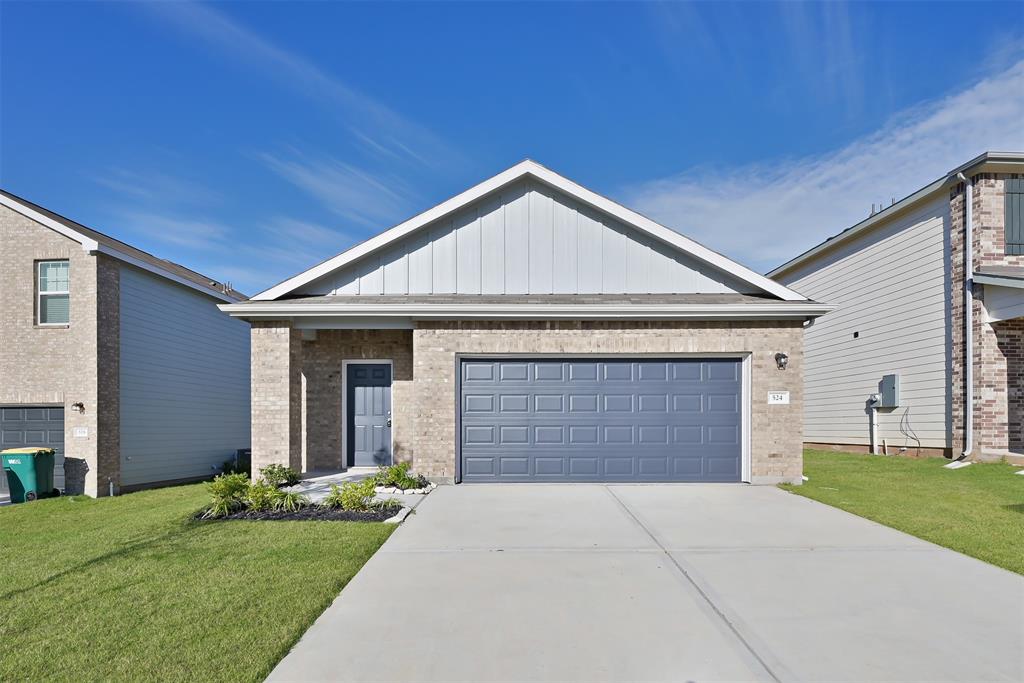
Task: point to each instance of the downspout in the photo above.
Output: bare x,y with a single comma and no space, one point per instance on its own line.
968,319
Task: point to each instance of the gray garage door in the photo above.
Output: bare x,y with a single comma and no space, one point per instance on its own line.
600,420
34,426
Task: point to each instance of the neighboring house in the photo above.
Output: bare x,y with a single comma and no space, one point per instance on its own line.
529,329
117,359
899,281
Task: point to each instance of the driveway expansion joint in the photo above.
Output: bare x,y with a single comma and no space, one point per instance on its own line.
730,623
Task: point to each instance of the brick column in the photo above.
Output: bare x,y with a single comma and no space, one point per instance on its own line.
107,467
996,346
276,395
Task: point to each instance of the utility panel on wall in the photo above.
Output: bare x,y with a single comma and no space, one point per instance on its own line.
889,392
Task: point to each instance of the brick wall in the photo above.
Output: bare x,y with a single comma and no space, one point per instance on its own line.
776,432
297,392
997,379
1009,336
302,380
322,362
61,365
276,395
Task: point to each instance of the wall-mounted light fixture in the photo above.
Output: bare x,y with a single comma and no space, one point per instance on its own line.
782,360
78,407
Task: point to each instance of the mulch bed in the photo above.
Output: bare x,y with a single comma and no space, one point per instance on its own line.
314,513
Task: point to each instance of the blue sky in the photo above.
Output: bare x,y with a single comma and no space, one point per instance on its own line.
252,140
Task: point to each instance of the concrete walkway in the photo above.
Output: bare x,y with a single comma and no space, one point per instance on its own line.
660,583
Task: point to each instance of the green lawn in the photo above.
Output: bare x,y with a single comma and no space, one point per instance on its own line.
130,588
977,510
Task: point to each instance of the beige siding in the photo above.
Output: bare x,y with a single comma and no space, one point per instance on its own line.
890,286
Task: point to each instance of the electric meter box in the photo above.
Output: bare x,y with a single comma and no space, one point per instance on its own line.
889,392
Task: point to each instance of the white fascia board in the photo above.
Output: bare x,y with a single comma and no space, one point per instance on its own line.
864,226
520,170
93,247
284,310
88,244
664,234
989,159
393,234
167,275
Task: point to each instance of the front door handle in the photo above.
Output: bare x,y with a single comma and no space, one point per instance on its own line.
389,422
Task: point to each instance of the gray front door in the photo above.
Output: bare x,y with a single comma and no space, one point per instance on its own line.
368,402
40,426
601,420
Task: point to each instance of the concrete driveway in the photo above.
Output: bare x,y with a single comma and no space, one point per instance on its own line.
660,583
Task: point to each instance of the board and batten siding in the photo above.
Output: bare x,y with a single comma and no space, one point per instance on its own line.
184,381
892,287
526,239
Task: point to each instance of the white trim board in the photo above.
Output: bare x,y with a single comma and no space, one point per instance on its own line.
1008,162
558,182
91,246
284,309
344,403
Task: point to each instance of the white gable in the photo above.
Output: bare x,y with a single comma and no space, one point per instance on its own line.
526,239
528,230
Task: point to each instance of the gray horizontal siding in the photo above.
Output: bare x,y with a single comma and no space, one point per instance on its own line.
527,239
184,381
892,287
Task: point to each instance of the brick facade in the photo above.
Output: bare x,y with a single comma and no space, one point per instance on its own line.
998,375
297,392
293,378
58,366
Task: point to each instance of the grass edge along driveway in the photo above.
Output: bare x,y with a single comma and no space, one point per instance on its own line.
131,588
977,510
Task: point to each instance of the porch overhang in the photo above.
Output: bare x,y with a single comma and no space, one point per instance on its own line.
399,311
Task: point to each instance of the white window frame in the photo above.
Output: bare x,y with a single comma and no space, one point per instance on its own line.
40,293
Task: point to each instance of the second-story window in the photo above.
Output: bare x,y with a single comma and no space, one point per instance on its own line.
54,293
1013,226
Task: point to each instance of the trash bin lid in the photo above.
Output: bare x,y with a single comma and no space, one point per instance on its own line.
26,451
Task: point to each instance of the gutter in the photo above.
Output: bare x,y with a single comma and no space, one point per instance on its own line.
968,323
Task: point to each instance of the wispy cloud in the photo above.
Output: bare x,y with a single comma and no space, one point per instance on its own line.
155,186
810,47
379,128
290,230
765,213
372,199
179,231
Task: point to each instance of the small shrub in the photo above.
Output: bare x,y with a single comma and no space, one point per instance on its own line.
261,496
352,495
279,475
289,501
227,494
398,476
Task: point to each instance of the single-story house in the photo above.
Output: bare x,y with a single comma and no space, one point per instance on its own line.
117,359
919,286
529,329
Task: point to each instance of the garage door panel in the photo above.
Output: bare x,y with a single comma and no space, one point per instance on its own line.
515,466
549,467
549,372
34,426
616,420
554,403
514,403
477,403
583,435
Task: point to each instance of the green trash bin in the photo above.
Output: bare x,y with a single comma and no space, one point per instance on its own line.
29,473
